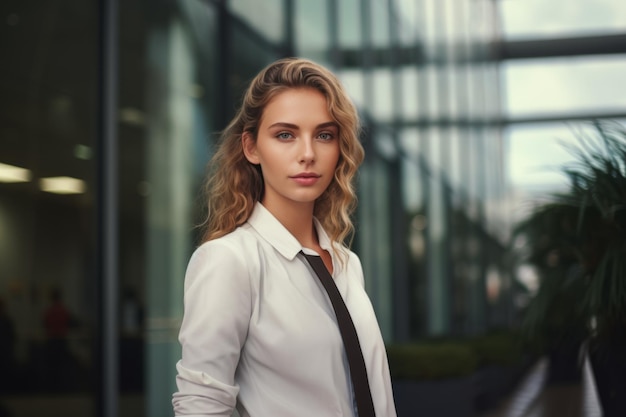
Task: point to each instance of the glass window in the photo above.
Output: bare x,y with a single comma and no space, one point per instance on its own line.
437,237
493,91
47,198
406,21
434,106
409,108
455,90
414,198
494,200
537,87
312,29
409,140
473,171
455,155
487,25
432,28
477,96
535,153
433,148
248,55
372,228
178,124
536,18
382,106
349,27
379,23
350,41
354,82
456,14
412,190
267,16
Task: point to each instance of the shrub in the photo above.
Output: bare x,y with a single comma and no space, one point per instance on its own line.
427,361
501,349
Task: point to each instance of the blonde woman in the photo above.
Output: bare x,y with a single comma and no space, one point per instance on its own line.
259,332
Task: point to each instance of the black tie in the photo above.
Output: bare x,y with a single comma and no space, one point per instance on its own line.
358,372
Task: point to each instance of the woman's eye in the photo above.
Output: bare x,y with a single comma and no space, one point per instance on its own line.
284,135
325,136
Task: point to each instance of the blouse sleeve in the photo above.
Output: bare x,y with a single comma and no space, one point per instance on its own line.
217,308
357,268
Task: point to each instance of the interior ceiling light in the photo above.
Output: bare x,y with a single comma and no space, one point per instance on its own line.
62,185
11,173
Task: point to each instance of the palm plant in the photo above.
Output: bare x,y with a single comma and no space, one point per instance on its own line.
598,192
578,243
554,322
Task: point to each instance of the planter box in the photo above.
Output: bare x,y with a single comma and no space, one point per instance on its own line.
609,371
494,382
438,398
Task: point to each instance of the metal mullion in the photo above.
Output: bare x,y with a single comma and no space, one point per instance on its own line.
107,395
333,21
289,32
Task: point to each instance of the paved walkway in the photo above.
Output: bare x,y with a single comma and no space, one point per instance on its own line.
534,398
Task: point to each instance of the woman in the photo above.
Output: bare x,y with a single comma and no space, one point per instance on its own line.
259,333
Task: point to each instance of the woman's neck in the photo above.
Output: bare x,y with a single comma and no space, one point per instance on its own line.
298,220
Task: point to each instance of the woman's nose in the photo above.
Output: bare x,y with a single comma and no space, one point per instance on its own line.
307,150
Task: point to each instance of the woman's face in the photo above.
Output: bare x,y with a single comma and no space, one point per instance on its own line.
297,147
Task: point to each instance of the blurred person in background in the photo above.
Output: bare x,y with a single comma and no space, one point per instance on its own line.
8,337
58,321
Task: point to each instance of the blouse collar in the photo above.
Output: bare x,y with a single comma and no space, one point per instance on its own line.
280,238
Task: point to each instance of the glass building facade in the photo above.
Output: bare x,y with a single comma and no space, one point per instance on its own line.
110,111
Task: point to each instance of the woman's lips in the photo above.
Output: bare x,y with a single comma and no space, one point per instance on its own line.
306,179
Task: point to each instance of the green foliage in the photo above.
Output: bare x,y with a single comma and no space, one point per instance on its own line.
577,241
444,357
557,314
499,348
429,361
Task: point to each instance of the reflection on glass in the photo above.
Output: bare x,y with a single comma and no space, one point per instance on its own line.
47,223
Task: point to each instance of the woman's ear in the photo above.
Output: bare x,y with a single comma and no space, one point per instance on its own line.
249,148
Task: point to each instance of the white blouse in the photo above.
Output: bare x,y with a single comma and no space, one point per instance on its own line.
259,332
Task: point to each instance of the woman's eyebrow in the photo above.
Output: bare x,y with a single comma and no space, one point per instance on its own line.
328,124
285,125
292,126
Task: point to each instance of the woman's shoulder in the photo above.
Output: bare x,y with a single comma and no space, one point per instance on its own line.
235,246
229,258
354,260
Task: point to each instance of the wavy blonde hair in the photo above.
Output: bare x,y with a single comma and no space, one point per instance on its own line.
233,184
